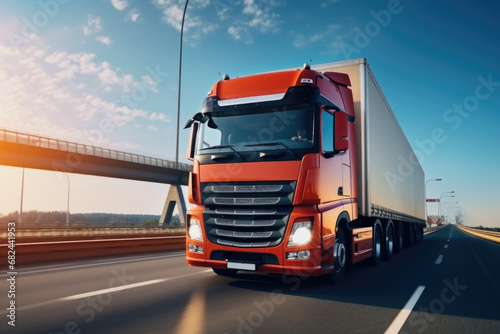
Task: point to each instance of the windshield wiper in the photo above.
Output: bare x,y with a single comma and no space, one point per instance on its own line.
276,143
226,146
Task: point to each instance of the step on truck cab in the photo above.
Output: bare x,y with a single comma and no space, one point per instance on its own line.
299,172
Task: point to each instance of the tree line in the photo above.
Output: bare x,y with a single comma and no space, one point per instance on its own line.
41,217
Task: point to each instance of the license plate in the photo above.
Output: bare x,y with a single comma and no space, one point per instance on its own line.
241,266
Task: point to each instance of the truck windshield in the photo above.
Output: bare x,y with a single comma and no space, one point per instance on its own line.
251,130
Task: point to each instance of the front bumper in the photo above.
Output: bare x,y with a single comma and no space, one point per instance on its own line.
309,267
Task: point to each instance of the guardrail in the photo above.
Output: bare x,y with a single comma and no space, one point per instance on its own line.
47,231
57,250
428,230
488,235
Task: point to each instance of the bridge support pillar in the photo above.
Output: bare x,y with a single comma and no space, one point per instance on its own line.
174,198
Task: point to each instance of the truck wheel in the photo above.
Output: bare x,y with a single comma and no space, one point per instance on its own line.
389,242
225,272
410,242
339,258
419,233
376,244
398,245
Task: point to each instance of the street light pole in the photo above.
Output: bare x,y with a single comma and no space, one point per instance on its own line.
445,208
426,216
179,90
22,195
440,197
67,204
448,209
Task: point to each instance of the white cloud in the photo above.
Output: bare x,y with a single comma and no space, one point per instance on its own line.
92,26
82,63
246,16
152,128
38,53
250,7
118,114
235,32
133,15
202,3
62,94
159,117
173,10
255,16
106,40
173,16
262,19
302,41
119,4
150,83
209,28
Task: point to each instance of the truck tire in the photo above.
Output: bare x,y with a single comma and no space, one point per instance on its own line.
225,272
339,258
419,233
388,241
376,244
399,240
410,236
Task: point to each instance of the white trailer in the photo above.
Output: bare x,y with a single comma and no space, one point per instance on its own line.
390,179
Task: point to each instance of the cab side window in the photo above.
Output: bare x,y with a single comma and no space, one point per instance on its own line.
327,131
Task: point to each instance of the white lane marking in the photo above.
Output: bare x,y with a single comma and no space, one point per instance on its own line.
400,320
445,246
117,288
36,270
439,259
109,290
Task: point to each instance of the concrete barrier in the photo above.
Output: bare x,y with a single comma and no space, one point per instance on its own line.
429,230
57,250
488,235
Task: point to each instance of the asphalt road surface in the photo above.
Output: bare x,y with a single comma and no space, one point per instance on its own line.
449,283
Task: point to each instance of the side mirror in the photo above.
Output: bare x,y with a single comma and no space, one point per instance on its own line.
340,121
192,140
199,117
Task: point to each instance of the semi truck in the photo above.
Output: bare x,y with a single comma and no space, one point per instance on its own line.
300,172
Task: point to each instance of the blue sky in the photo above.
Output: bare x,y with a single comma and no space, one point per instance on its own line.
67,67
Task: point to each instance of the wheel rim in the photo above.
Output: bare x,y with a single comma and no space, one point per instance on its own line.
339,256
401,238
378,244
390,243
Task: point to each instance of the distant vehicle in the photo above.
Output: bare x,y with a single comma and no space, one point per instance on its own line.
301,172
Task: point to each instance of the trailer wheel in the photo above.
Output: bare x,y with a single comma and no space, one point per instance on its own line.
419,233
410,240
225,272
398,245
339,258
389,241
376,244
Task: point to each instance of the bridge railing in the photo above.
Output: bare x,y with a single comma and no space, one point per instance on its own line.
78,148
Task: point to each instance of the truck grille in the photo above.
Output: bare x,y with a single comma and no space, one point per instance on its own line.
244,214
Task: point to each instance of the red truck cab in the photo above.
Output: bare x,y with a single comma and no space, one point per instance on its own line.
274,179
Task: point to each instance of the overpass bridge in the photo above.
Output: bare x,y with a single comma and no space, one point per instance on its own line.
32,151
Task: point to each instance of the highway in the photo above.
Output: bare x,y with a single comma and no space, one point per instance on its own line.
449,283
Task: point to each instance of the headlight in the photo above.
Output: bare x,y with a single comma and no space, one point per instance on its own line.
194,231
301,234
